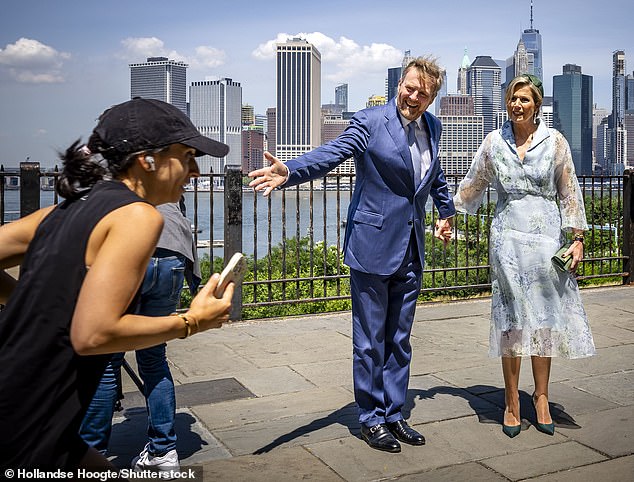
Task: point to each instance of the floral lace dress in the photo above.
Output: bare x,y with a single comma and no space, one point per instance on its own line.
535,309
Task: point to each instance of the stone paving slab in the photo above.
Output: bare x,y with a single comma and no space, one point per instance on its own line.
295,348
354,461
267,436
471,471
196,360
430,399
243,412
553,458
453,309
609,432
615,387
327,373
286,380
285,465
568,397
612,359
615,470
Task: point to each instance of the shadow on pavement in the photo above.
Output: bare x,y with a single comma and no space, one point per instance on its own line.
130,436
486,401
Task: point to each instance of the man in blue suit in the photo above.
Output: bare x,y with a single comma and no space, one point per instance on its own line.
395,148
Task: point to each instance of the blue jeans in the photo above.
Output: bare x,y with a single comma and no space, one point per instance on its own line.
160,293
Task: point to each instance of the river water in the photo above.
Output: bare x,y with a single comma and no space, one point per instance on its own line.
209,216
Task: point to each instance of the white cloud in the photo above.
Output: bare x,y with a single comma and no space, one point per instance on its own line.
137,49
208,57
30,61
342,59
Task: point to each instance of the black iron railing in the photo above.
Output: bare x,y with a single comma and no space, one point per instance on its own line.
294,238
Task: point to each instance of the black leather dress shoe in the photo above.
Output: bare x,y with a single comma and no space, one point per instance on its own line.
405,433
379,437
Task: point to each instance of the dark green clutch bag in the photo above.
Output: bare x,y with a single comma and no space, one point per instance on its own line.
561,263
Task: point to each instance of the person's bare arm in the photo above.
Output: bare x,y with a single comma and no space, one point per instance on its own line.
125,240
15,238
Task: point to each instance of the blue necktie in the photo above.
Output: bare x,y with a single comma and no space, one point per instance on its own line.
415,151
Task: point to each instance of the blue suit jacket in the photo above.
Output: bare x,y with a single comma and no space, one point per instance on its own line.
385,203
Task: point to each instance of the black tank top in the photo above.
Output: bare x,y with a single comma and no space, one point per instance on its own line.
45,387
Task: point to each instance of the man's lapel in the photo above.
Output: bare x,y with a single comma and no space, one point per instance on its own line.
395,128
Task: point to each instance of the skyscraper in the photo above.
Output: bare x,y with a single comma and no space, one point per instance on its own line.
252,148
462,73
532,40
547,111
341,96
216,110
629,92
484,85
618,136
618,86
462,133
298,98
393,77
441,93
271,130
162,79
248,115
572,114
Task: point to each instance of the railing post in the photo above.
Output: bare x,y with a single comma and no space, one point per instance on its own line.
233,226
29,188
628,227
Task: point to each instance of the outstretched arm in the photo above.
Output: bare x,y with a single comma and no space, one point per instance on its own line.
270,177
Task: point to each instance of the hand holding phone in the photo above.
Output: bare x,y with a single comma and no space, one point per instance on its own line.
234,271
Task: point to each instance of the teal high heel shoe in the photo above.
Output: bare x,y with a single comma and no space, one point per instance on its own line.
511,430
547,428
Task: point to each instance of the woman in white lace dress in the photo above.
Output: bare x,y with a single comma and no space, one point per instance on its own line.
536,309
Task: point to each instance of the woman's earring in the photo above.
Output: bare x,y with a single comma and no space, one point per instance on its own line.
150,163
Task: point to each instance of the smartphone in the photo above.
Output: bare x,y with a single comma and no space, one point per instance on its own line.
234,271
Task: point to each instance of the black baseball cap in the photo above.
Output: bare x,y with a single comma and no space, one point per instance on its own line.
143,124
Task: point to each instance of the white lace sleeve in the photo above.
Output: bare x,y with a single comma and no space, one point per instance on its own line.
571,206
481,173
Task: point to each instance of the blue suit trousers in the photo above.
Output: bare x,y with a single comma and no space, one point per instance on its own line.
382,315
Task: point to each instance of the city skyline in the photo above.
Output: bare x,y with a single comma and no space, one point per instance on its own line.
60,66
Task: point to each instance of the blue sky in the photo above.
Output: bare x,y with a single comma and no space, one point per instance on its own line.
62,62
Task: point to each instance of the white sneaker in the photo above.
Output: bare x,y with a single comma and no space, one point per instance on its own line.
163,463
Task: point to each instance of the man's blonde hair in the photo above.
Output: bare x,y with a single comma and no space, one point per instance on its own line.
428,67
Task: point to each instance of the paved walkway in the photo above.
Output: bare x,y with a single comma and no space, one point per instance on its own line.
271,400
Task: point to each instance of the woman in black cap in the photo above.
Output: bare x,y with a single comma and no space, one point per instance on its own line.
536,309
81,263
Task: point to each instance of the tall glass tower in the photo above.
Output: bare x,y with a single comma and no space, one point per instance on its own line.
618,87
484,77
533,43
393,77
341,96
215,108
462,74
298,123
572,114
618,135
162,79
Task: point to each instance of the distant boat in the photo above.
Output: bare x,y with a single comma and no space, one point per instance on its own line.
199,184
